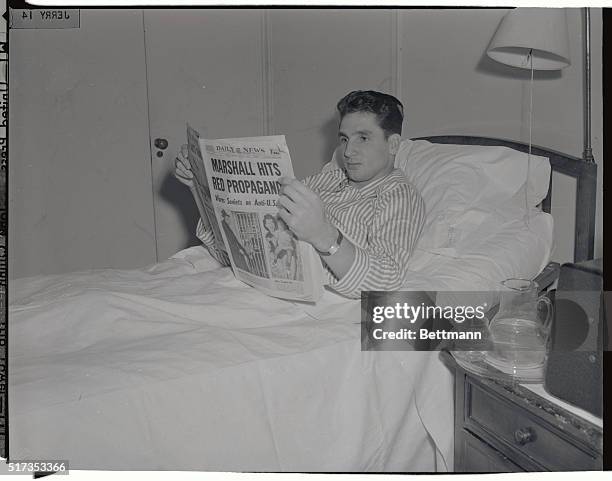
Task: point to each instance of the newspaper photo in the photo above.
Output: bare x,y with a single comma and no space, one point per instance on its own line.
237,186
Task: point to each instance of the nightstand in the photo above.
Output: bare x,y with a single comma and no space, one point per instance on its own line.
504,427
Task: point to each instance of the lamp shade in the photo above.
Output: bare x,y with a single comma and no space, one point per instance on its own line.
541,31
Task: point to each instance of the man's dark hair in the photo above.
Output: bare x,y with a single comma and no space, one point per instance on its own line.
388,110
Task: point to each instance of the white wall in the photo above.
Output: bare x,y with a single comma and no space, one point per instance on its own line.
79,167
317,56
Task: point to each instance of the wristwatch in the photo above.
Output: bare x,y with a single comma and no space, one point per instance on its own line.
334,247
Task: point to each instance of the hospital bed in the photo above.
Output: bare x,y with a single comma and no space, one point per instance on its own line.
179,366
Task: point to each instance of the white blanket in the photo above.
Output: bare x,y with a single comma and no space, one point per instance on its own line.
182,367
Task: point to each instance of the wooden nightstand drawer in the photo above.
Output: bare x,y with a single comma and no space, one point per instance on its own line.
489,414
478,457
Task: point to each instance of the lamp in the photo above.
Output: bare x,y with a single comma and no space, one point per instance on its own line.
534,39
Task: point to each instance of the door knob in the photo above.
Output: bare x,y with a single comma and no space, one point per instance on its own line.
523,436
161,144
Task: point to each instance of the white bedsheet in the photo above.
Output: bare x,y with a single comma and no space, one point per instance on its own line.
182,367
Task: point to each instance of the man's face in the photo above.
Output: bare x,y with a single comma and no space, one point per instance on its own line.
366,154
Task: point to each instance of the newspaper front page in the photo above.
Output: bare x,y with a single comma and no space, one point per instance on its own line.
242,176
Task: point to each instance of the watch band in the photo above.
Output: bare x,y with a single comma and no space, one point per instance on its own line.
334,247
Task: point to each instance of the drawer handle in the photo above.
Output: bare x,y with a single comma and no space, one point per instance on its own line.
523,436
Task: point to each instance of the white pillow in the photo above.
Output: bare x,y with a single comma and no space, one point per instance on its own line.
475,234
513,249
465,167
463,184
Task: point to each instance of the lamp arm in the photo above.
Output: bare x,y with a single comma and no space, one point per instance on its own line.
588,151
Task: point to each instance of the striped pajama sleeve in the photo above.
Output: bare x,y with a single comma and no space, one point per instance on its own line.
208,239
396,226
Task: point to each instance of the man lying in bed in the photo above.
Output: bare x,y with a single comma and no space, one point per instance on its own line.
364,217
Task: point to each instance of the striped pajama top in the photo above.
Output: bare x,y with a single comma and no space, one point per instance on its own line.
383,219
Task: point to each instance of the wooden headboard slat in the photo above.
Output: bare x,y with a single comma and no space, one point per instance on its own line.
584,172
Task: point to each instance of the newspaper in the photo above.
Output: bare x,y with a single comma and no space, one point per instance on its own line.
200,188
236,183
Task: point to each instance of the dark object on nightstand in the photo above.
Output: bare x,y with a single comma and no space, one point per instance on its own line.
579,332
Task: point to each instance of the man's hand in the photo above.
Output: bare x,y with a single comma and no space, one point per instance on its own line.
304,213
182,169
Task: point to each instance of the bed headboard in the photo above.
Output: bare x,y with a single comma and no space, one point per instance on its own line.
584,172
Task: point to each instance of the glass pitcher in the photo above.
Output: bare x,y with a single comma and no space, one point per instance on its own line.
519,334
